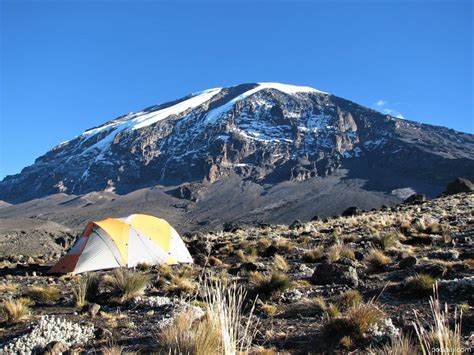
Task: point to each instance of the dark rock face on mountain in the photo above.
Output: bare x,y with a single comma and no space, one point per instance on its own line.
267,152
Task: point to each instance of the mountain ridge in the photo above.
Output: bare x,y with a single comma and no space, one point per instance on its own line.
255,136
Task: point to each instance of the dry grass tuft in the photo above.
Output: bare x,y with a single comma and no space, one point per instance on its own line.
41,294
247,258
223,330
419,285
285,245
125,284
178,280
15,310
269,309
8,288
279,263
388,240
354,324
440,337
268,285
377,259
86,289
349,299
313,255
340,250
308,307
399,345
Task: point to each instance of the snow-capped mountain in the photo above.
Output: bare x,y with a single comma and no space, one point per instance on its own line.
262,132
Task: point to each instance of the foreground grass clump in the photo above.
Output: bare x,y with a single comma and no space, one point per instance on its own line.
16,310
419,285
86,289
41,294
268,285
440,337
223,329
125,284
399,345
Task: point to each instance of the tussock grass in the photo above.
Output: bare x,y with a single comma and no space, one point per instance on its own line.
388,240
47,294
268,285
223,330
112,350
332,311
285,245
357,321
399,345
247,258
349,299
419,285
313,255
8,288
125,284
179,280
269,309
308,307
364,316
377,259
340,250
279,263
85,290
440,337
188,336
15,310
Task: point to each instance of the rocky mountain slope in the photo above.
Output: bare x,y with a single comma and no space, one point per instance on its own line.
268,151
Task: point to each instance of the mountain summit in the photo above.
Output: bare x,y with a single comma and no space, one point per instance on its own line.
262,133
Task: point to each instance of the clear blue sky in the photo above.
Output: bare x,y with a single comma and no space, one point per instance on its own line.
70,65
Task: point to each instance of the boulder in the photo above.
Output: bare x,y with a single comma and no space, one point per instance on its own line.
325,274
459,185
408,262
351,211
296,224
415,199
271,251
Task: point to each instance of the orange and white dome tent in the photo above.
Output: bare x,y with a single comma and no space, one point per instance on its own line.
124,242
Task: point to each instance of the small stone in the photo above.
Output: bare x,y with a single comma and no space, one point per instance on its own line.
359,255
93,309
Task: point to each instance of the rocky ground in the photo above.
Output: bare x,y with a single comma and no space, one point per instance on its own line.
348,283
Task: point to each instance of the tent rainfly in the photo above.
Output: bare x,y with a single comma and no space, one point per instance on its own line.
124,242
